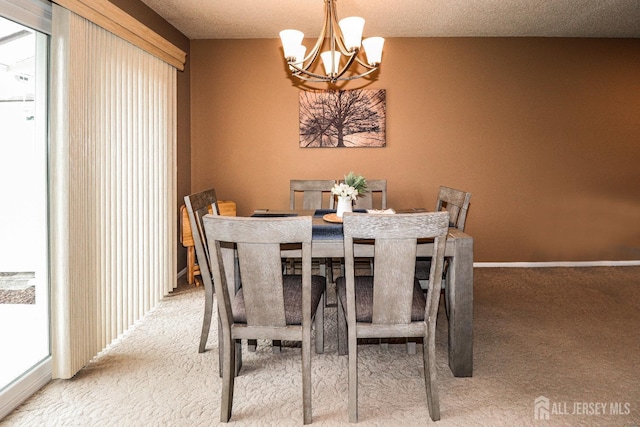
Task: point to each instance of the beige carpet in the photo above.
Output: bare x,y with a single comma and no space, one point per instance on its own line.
568,335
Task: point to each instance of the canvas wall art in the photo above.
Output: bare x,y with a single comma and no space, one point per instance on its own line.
343,118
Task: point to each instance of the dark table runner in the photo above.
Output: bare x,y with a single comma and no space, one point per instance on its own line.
321,231
329,230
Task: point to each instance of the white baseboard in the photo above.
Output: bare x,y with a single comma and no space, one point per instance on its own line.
19,391
182,272
558,264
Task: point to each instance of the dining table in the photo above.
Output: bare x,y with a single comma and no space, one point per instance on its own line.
327,242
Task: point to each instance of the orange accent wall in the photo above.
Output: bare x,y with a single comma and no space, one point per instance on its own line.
545,134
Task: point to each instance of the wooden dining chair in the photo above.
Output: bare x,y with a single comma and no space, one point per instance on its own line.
269,305
316,194
198,205
390,303
456,202
375,197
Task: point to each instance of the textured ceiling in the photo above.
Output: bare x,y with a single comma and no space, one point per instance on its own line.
216,19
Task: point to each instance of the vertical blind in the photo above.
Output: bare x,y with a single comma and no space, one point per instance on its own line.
113,189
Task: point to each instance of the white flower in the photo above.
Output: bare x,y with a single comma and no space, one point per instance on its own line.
344,190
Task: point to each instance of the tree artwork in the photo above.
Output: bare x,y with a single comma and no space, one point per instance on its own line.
343,118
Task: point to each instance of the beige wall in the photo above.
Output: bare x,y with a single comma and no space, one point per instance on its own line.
544,132
144,14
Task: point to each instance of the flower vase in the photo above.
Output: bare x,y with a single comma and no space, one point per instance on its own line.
344,205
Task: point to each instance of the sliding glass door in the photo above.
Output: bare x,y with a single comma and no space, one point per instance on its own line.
24,270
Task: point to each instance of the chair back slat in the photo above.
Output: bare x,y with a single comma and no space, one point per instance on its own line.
395,263
261,273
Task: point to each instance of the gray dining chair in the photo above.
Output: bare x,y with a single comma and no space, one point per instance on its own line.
315,194
375,197
269,305
198,205
456,202
390,303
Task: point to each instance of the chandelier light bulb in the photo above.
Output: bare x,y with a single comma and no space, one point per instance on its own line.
373,50
291,42
352,28
326,60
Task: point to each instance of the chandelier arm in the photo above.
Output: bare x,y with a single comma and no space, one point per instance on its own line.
339,37
313,54
302,72
358,76
341,46
305,74
346,67
364,64
326,79
311,58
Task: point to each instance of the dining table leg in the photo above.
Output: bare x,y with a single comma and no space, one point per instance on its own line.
460,296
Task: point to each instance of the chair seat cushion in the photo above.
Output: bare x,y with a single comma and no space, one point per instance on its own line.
364,298
292,285
423,268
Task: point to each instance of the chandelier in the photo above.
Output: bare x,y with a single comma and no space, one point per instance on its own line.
344,39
